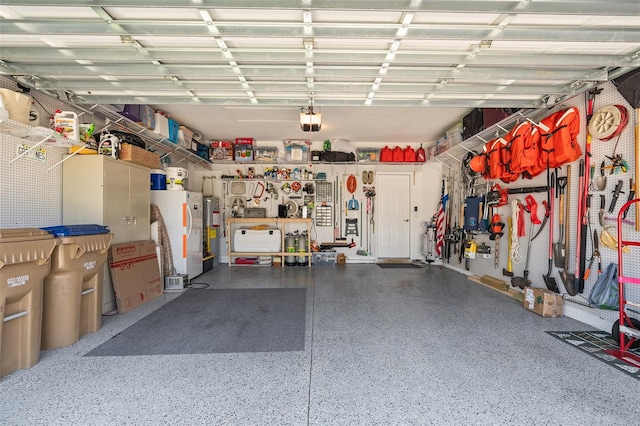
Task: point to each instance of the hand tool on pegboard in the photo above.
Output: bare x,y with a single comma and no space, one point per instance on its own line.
616,194
632,194
594,255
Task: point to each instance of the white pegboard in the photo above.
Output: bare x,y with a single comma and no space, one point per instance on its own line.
600,149
538,263
30,196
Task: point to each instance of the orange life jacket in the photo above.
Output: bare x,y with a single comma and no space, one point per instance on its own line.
524,151
495,162
559,138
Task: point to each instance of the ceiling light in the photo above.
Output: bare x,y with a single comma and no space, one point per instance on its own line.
310,121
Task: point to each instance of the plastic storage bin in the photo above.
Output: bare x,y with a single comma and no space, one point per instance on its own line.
72,292
174,128
324,258
25,255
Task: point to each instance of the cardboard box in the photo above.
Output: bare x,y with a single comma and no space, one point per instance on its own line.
543,302
140,156
221,150
135,274
244,149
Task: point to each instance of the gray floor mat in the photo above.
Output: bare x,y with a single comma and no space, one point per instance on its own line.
217,321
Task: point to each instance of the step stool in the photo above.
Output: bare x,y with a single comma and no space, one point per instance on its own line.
352,227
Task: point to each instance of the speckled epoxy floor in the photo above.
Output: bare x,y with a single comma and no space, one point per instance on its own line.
383,346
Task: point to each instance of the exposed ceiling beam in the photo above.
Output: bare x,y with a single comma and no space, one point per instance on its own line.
48,27
597,7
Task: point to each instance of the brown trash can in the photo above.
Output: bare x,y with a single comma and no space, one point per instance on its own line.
25,255
72,295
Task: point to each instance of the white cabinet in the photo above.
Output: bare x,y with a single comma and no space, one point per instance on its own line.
114,193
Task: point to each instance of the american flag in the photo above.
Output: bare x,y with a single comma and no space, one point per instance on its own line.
440,222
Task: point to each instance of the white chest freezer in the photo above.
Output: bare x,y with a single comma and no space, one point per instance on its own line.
260,241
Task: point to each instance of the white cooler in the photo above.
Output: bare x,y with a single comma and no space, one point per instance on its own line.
260,241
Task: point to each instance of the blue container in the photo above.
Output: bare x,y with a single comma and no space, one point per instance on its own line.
70,230
158,180
174,127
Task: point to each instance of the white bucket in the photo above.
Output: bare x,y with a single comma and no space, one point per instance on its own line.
176,178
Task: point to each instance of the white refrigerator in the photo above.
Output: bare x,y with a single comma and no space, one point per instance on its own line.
182,215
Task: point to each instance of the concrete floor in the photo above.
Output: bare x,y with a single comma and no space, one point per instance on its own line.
383,346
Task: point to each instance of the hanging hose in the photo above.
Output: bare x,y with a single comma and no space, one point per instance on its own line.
515,243
608,122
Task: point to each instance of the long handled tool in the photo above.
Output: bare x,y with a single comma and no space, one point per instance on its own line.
524,280
583,193
509,271
580,228
531,208
558,248
550,281
568,279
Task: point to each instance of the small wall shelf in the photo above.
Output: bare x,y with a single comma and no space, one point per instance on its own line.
34,136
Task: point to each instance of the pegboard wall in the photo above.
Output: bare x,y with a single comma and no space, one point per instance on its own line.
538,263
30,194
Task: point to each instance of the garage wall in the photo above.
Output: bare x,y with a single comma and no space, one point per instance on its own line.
575,306
424,194
30,189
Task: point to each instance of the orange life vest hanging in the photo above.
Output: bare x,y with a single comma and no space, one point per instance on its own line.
559,138
494,161
524,149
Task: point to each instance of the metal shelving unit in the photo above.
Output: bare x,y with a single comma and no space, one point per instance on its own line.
155,140
36,137
475,142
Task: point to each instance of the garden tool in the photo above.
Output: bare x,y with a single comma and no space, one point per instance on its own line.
616,193
524,280
558,248
601,182
568,279
550,281
596,253
632,194
509,271
495,228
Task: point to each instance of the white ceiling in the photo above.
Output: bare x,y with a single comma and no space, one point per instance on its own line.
379,71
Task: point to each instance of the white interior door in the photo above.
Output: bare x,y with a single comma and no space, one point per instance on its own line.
392,215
